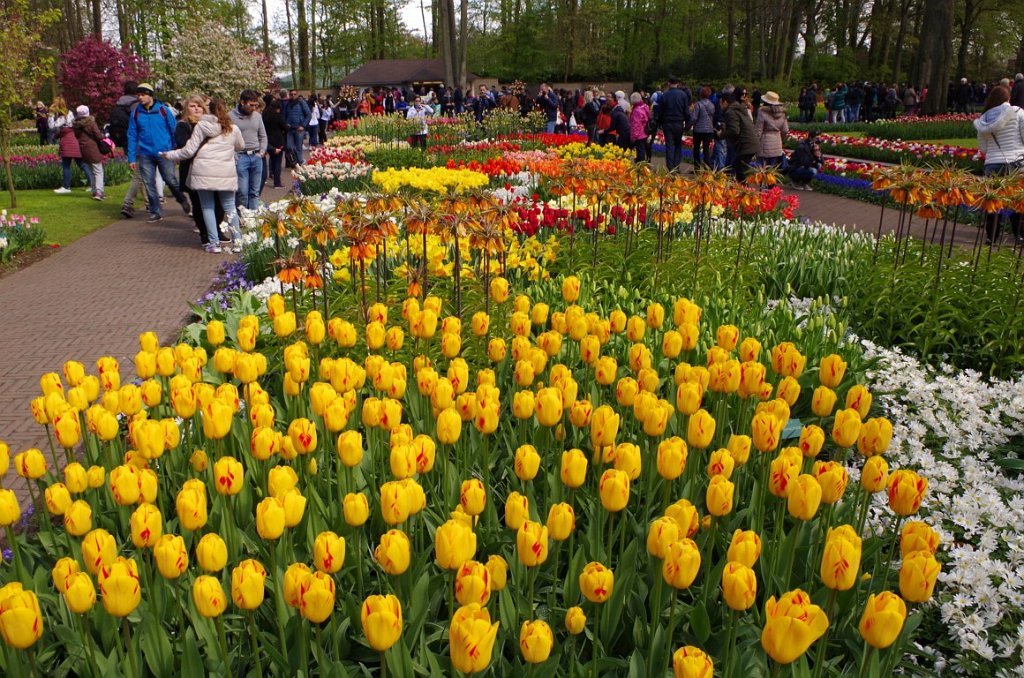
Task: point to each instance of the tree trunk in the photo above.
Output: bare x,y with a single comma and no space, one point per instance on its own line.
810,40
302,25
266,32
897,66
936,50
291,41
460,75
731,31
312,44
5,149
122,22
748,42
97,19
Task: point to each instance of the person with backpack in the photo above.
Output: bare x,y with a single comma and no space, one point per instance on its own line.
296,116
117,128
150,133
93,146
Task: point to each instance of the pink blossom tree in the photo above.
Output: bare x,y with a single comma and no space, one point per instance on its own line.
93,73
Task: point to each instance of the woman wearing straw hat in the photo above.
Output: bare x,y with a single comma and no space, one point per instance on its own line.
772,129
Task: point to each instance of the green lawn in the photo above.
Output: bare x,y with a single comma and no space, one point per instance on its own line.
66,218
966,143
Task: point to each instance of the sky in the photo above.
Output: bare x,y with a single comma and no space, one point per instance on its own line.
410,14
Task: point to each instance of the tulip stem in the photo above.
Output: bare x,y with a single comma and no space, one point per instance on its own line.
282,618
222,639
254,638
865,661
87,641
819,661
597,638
33,671
126,637
892,553
731,651
53,452
19,567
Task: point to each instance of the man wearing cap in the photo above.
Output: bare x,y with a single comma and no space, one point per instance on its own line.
249,163
150,133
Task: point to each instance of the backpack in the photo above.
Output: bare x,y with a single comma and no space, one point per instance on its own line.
118,125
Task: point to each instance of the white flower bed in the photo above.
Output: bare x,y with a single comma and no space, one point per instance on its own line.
946,425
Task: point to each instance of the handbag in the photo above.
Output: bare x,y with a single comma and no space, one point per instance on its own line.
651,127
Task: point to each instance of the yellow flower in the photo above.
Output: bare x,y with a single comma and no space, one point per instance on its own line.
597,582
883,619
454,544
21,620
471,638
739,586
918,574
381,618
681,564
840,560
394,552
792,624
535,641
906,491
691,662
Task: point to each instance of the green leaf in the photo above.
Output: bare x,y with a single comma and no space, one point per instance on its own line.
191,661
700,622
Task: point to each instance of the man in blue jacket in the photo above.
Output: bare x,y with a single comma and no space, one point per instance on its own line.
673,117
150,133
296,118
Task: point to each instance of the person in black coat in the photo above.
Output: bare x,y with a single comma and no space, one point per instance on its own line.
273,121
620,122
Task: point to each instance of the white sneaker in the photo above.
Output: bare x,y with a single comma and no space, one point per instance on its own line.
236,248
213,249
62,190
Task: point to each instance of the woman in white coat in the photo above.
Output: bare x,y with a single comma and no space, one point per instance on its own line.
1001,138
212,147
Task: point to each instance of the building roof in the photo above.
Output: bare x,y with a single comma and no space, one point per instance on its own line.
398,72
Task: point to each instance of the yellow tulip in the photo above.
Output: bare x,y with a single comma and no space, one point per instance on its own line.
671,459
804,497
700,429
454,544
79,593
691,662
21,620
381,618
792,624
119,584
882,620
394,552
721,463
719,495
846,428
739,448
561,521
906,491
532,543
745,547
681,564
317,597
875,436
473,583
739,586
662,533
874,476
573,471
840,560
270,518
614,490
597,582
918,536
248,582
831,371
918,574
471,638
535,641
208,596
356,509
859,398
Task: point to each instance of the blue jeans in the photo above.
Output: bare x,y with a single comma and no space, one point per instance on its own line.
227,203
249,169
149,166
853,113
720,155
314,135
550,126
65,166
803,175
295,138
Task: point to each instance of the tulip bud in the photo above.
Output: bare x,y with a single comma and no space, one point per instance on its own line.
804,497
745,547
614,490
561,521
381,618
575,620
212,553
393,554
573,468
700,429
906,491
247,584
532,543
535,641
119,584
739,586
596,582
874,475
691,662
883,619
918,574
356,509
681,564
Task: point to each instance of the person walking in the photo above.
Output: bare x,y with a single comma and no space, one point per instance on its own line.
70,152
313,128
195,108
296,116
739,132
92,144
212,148
117,128
638,118
673,117
703,128
151,133
277,135
1001,138
249,161
772,129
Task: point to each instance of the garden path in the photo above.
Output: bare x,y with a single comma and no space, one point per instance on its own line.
91,299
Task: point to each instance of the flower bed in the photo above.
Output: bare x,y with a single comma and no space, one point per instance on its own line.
18,234
40,167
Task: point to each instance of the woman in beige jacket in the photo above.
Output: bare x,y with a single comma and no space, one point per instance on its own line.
212,147
772,130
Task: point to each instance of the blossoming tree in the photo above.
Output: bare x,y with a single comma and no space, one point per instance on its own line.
209,60
93,72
